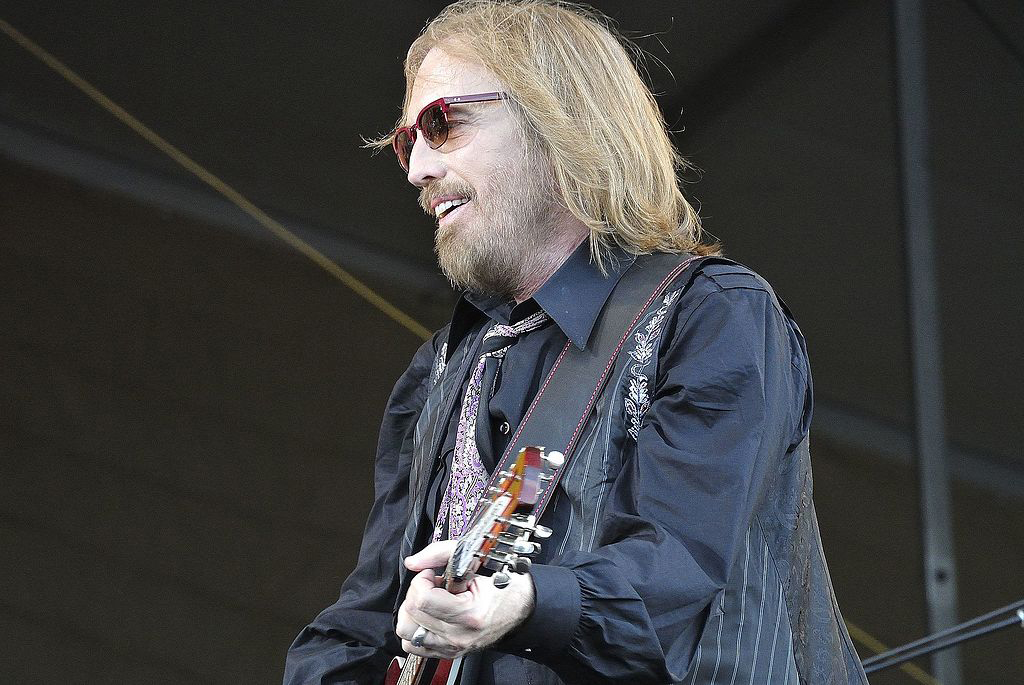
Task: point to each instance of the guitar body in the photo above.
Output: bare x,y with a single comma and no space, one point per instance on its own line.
418,671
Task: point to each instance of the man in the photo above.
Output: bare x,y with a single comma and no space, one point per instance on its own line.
684,547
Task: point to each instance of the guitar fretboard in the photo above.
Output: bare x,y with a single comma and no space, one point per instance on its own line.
411,670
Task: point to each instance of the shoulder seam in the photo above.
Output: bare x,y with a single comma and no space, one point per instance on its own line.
704,299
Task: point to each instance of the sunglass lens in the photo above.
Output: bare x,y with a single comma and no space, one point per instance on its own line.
434,125
403,146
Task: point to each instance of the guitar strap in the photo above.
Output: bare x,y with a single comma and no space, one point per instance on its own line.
559,412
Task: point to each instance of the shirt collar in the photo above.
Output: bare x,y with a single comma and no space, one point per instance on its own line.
573,297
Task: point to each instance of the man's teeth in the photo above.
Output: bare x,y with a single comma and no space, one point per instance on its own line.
443,208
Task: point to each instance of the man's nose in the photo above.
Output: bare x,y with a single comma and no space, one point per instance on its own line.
425,164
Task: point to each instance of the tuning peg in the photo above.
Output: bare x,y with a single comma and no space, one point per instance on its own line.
521,564
499,557
524,547
518,523
554,459
501,579
542,532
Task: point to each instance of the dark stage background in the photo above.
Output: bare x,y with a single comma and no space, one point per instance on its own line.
188,407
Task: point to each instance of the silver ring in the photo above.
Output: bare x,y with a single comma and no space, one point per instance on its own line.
419,636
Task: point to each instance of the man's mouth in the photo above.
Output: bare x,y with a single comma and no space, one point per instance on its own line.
445,208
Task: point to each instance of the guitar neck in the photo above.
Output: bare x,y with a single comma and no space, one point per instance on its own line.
499,531
411,670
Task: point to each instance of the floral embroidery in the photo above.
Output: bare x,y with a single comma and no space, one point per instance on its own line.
637,399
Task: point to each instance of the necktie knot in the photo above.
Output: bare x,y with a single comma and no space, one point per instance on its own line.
501,336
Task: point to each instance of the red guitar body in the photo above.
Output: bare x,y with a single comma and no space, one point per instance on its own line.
430,672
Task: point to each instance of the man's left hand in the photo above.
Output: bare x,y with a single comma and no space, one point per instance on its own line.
460,623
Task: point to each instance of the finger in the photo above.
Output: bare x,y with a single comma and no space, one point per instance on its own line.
432,647
422,649
437,608
405,626
423,592
422,584
427,580
432,556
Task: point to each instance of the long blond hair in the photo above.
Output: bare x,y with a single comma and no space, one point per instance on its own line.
578,95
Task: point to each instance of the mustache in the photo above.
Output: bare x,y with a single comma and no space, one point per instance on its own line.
440,189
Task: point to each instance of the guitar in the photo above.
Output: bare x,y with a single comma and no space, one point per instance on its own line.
498,539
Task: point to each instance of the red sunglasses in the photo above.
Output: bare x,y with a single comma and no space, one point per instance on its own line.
432,121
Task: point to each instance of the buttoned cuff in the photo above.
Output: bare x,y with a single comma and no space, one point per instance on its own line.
556,614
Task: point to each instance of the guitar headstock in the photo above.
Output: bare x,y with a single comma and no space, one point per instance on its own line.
499,536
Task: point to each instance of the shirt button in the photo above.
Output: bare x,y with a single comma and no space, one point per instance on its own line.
504,428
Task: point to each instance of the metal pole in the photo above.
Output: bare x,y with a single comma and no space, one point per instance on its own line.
949,642
926,349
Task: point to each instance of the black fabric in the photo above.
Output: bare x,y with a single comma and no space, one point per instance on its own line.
633,585
556,415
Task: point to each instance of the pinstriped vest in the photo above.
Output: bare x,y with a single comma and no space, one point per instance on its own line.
776,621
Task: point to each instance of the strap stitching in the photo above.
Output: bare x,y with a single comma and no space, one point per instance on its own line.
549,491
611,361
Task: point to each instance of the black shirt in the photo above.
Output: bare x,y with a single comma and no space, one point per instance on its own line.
731,397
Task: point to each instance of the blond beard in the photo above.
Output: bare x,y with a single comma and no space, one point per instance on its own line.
503,249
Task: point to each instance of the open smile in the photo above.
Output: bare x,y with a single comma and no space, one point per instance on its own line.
448,207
